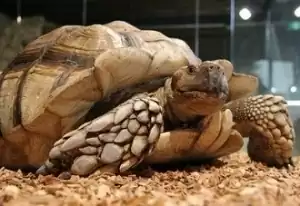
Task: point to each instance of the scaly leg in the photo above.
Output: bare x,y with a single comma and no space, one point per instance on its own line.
214,139
265,120
114,142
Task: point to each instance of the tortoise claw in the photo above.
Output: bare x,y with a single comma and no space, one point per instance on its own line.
42,170
287,165
291,162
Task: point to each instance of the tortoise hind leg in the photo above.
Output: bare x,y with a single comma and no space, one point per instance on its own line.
114,142
265,120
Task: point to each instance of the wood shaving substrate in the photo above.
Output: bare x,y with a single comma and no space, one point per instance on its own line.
237,181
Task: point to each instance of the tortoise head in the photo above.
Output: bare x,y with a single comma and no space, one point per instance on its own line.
200,89
240,84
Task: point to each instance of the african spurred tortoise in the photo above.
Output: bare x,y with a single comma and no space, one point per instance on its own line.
118,95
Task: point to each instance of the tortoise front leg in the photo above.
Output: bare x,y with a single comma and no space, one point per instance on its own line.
114,142
265,120
214,139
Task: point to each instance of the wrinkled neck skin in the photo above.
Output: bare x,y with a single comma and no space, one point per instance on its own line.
173,110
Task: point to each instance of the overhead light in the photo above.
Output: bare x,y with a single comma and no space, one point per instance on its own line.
19,8
297,12
245,14
293,89
19,19
273,90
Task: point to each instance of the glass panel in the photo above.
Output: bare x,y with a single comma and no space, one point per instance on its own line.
266,43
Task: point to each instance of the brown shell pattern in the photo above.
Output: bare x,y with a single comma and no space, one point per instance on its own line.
54,75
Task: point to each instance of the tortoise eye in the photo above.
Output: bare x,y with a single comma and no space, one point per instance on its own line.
191,69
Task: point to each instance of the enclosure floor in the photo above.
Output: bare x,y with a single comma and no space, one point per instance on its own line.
233,181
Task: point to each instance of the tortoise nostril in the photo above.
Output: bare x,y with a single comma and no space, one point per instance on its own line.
212,68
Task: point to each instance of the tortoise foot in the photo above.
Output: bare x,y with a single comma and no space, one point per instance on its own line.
114,142
271,137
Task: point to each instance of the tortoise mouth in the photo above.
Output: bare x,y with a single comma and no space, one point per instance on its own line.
196,94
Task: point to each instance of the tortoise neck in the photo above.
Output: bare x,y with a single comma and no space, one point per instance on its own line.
174,111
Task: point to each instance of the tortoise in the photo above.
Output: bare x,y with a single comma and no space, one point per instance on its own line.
108,97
